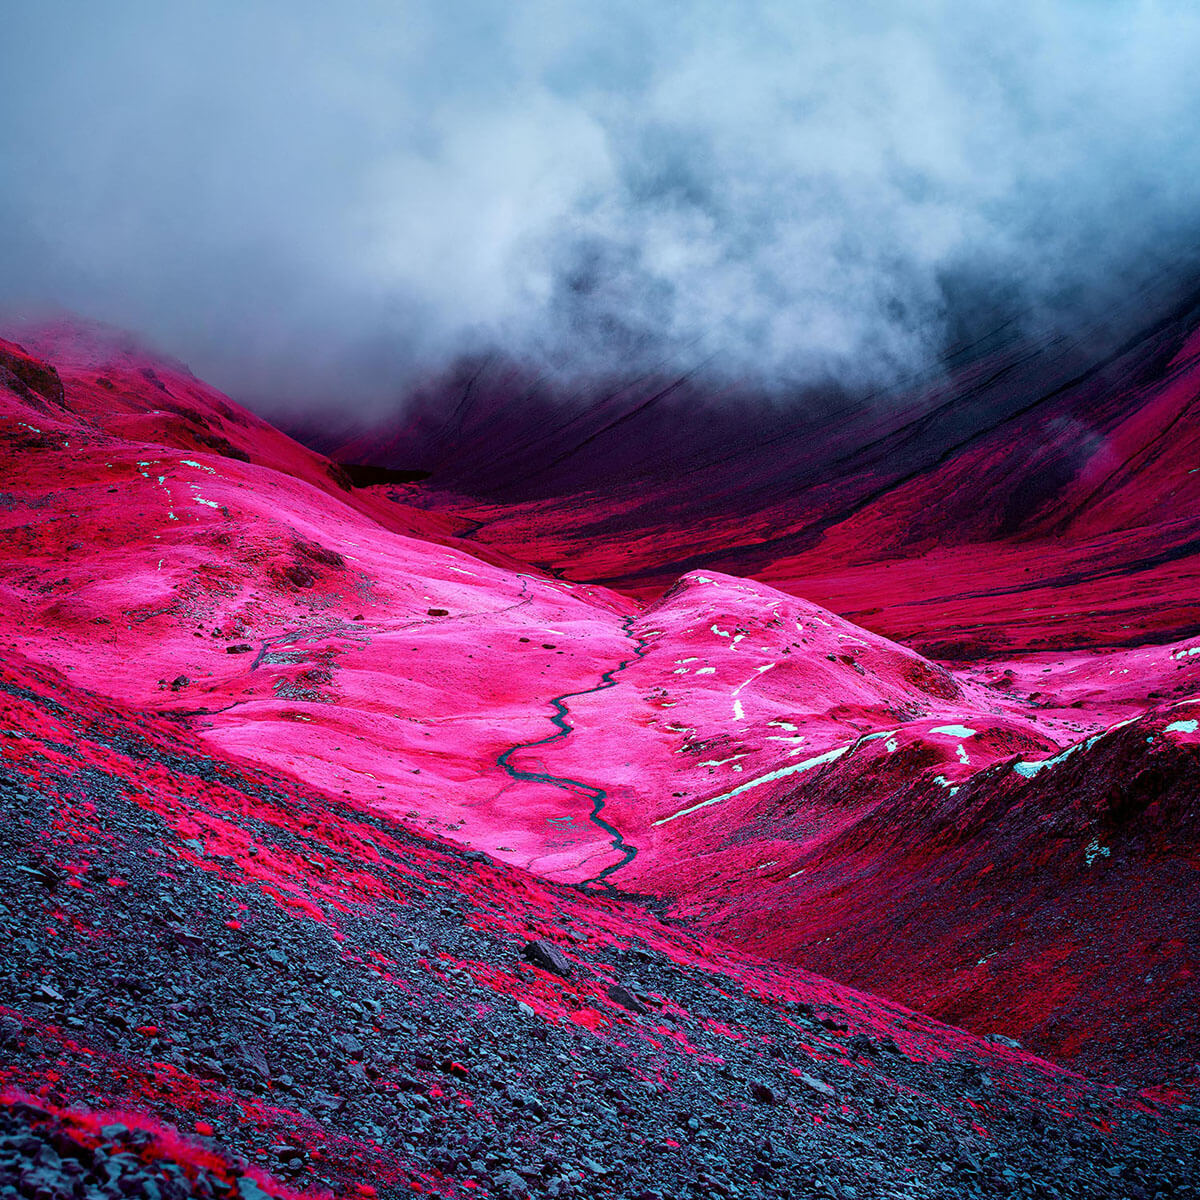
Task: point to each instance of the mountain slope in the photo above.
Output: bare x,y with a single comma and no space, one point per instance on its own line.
1041,496
305,985
960,836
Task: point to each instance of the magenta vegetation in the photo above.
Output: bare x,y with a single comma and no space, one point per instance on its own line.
393,838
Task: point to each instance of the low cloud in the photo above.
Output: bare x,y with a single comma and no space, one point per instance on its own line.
315,205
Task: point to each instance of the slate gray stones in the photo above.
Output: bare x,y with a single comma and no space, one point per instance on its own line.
548,956
624,997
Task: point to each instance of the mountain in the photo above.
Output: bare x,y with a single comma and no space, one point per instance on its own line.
1041,495
1029,524
396,838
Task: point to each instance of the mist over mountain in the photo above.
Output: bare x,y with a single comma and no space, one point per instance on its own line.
317,207
598,601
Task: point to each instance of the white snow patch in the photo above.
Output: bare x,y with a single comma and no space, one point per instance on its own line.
720,762
1093,850
954,730
1182,727
1030,769
808,764
757,672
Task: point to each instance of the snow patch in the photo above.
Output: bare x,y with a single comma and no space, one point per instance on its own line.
757,672
771,776
720,762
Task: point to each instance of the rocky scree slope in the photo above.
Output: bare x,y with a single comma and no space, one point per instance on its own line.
279,982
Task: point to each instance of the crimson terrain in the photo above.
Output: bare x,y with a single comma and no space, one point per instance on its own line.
669,795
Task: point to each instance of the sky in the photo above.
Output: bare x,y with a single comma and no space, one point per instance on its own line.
315,205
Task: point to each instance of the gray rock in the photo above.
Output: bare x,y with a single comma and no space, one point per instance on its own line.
548,956
817,1085
625,998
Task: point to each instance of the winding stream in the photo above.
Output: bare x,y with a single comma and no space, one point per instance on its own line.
596,795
